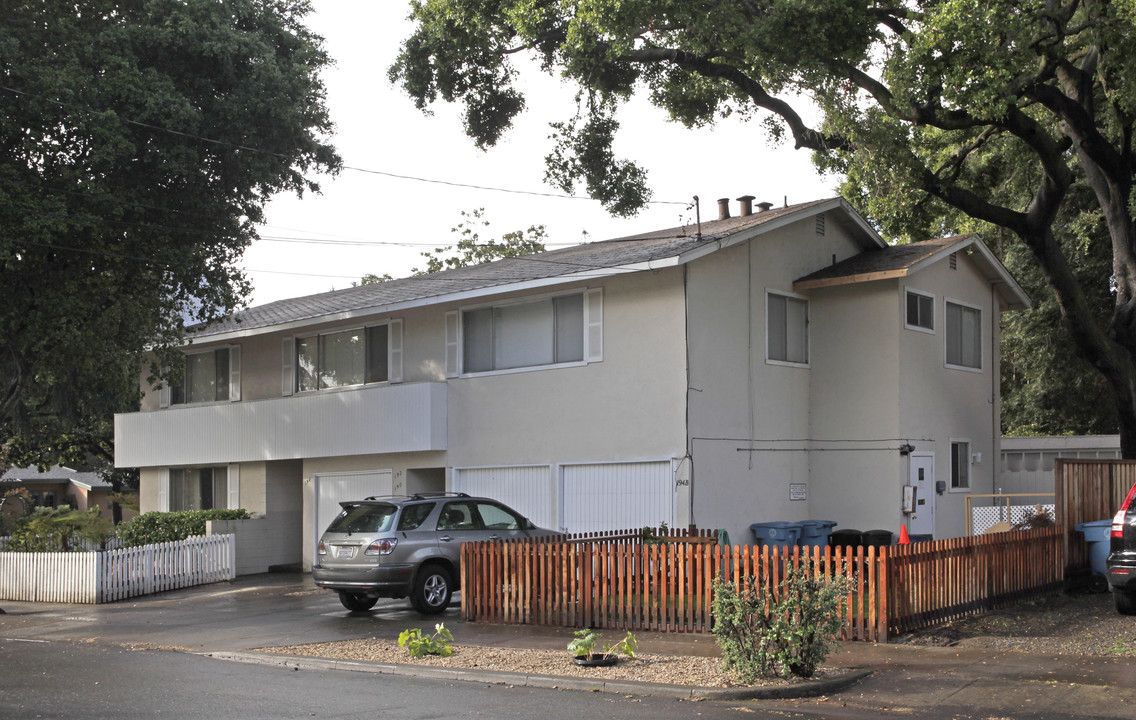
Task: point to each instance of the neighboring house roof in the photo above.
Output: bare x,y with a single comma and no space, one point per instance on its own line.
54,476
900,261
647,251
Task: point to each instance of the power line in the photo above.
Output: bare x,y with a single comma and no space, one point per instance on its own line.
368,171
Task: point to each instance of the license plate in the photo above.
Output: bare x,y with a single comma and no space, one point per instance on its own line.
345,552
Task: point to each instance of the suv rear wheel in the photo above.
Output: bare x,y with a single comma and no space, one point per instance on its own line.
356,602
1125,601
432,590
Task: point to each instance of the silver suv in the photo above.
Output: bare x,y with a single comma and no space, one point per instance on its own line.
399,546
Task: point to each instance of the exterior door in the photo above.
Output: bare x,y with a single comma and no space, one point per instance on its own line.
922,521
616,496
333,488
525,488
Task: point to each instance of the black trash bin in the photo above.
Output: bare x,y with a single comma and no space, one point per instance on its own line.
877,538
845,538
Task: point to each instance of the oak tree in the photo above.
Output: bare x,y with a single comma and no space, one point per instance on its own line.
925,105
139,143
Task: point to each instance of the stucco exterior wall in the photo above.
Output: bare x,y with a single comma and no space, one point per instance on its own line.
749,418
629,406
855,464
939,404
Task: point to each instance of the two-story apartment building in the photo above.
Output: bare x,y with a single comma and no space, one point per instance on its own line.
784,364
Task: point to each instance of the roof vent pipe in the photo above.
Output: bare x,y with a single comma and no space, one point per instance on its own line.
723,208
764,206
747,205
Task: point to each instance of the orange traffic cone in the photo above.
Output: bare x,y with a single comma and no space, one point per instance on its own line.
903,538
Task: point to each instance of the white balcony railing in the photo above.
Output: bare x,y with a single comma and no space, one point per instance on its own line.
358,421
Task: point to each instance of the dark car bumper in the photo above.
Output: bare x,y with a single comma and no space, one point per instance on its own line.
381,580
1121,570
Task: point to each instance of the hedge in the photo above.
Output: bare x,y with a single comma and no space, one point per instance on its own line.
160,527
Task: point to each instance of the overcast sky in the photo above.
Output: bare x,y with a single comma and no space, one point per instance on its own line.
366,221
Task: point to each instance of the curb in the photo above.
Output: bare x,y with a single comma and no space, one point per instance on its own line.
810,688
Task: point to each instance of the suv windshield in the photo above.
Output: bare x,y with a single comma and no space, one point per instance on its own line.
363,519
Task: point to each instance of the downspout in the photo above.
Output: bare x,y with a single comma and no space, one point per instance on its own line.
750,400
686,339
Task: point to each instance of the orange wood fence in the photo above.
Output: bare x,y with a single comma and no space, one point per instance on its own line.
1087,490
668,586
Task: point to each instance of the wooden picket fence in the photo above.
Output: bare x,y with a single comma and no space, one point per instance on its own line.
98,577
668,586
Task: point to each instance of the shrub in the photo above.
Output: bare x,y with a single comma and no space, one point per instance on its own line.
60,529
419,645
790,632
162,527
584,645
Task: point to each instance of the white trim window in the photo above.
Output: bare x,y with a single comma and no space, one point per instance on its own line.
960,464
212,375
964,336
201,488
557,330
786,328
919,312
344,358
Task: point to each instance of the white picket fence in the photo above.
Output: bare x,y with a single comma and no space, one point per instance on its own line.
97,577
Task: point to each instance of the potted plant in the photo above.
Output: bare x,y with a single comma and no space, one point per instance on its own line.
583,649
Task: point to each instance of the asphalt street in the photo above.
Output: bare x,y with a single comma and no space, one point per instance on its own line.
157,656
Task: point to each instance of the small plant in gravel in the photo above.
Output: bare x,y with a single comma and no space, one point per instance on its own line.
778,634
584,646
419,645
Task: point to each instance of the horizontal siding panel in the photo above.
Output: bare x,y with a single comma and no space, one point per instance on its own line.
386,419
526,489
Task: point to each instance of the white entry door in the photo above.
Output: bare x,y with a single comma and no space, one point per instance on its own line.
525,488
333,488
616,496
922,521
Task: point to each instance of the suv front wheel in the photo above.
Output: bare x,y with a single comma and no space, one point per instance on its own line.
356,602
432,590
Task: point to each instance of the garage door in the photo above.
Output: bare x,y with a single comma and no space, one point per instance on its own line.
527,489
617,496
333,488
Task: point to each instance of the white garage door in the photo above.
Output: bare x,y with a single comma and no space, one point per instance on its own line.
333,488
617,496
527,489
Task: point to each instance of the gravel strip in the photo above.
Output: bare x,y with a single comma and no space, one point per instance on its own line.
669,669
1078,623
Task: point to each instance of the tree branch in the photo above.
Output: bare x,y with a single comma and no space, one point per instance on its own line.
803,135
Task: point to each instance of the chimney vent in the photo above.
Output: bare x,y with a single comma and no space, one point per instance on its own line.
723,208
764,206
747,205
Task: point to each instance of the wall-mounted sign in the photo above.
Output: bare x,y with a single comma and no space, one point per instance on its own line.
798,491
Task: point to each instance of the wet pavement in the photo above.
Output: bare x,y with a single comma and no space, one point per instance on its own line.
232,620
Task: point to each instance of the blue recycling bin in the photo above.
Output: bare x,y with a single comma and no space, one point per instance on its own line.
815,532
1096,535
776,534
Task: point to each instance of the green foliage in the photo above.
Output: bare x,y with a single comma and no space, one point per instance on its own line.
139,144
162,527
584,645
790,632
471,250
60,530
419,645
651,536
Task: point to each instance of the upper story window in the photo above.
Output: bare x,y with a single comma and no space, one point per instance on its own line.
533,333
964,336
342,358
920,313
209,376
786,329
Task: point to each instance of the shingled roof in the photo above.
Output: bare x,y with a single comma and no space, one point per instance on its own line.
898,261
589,260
